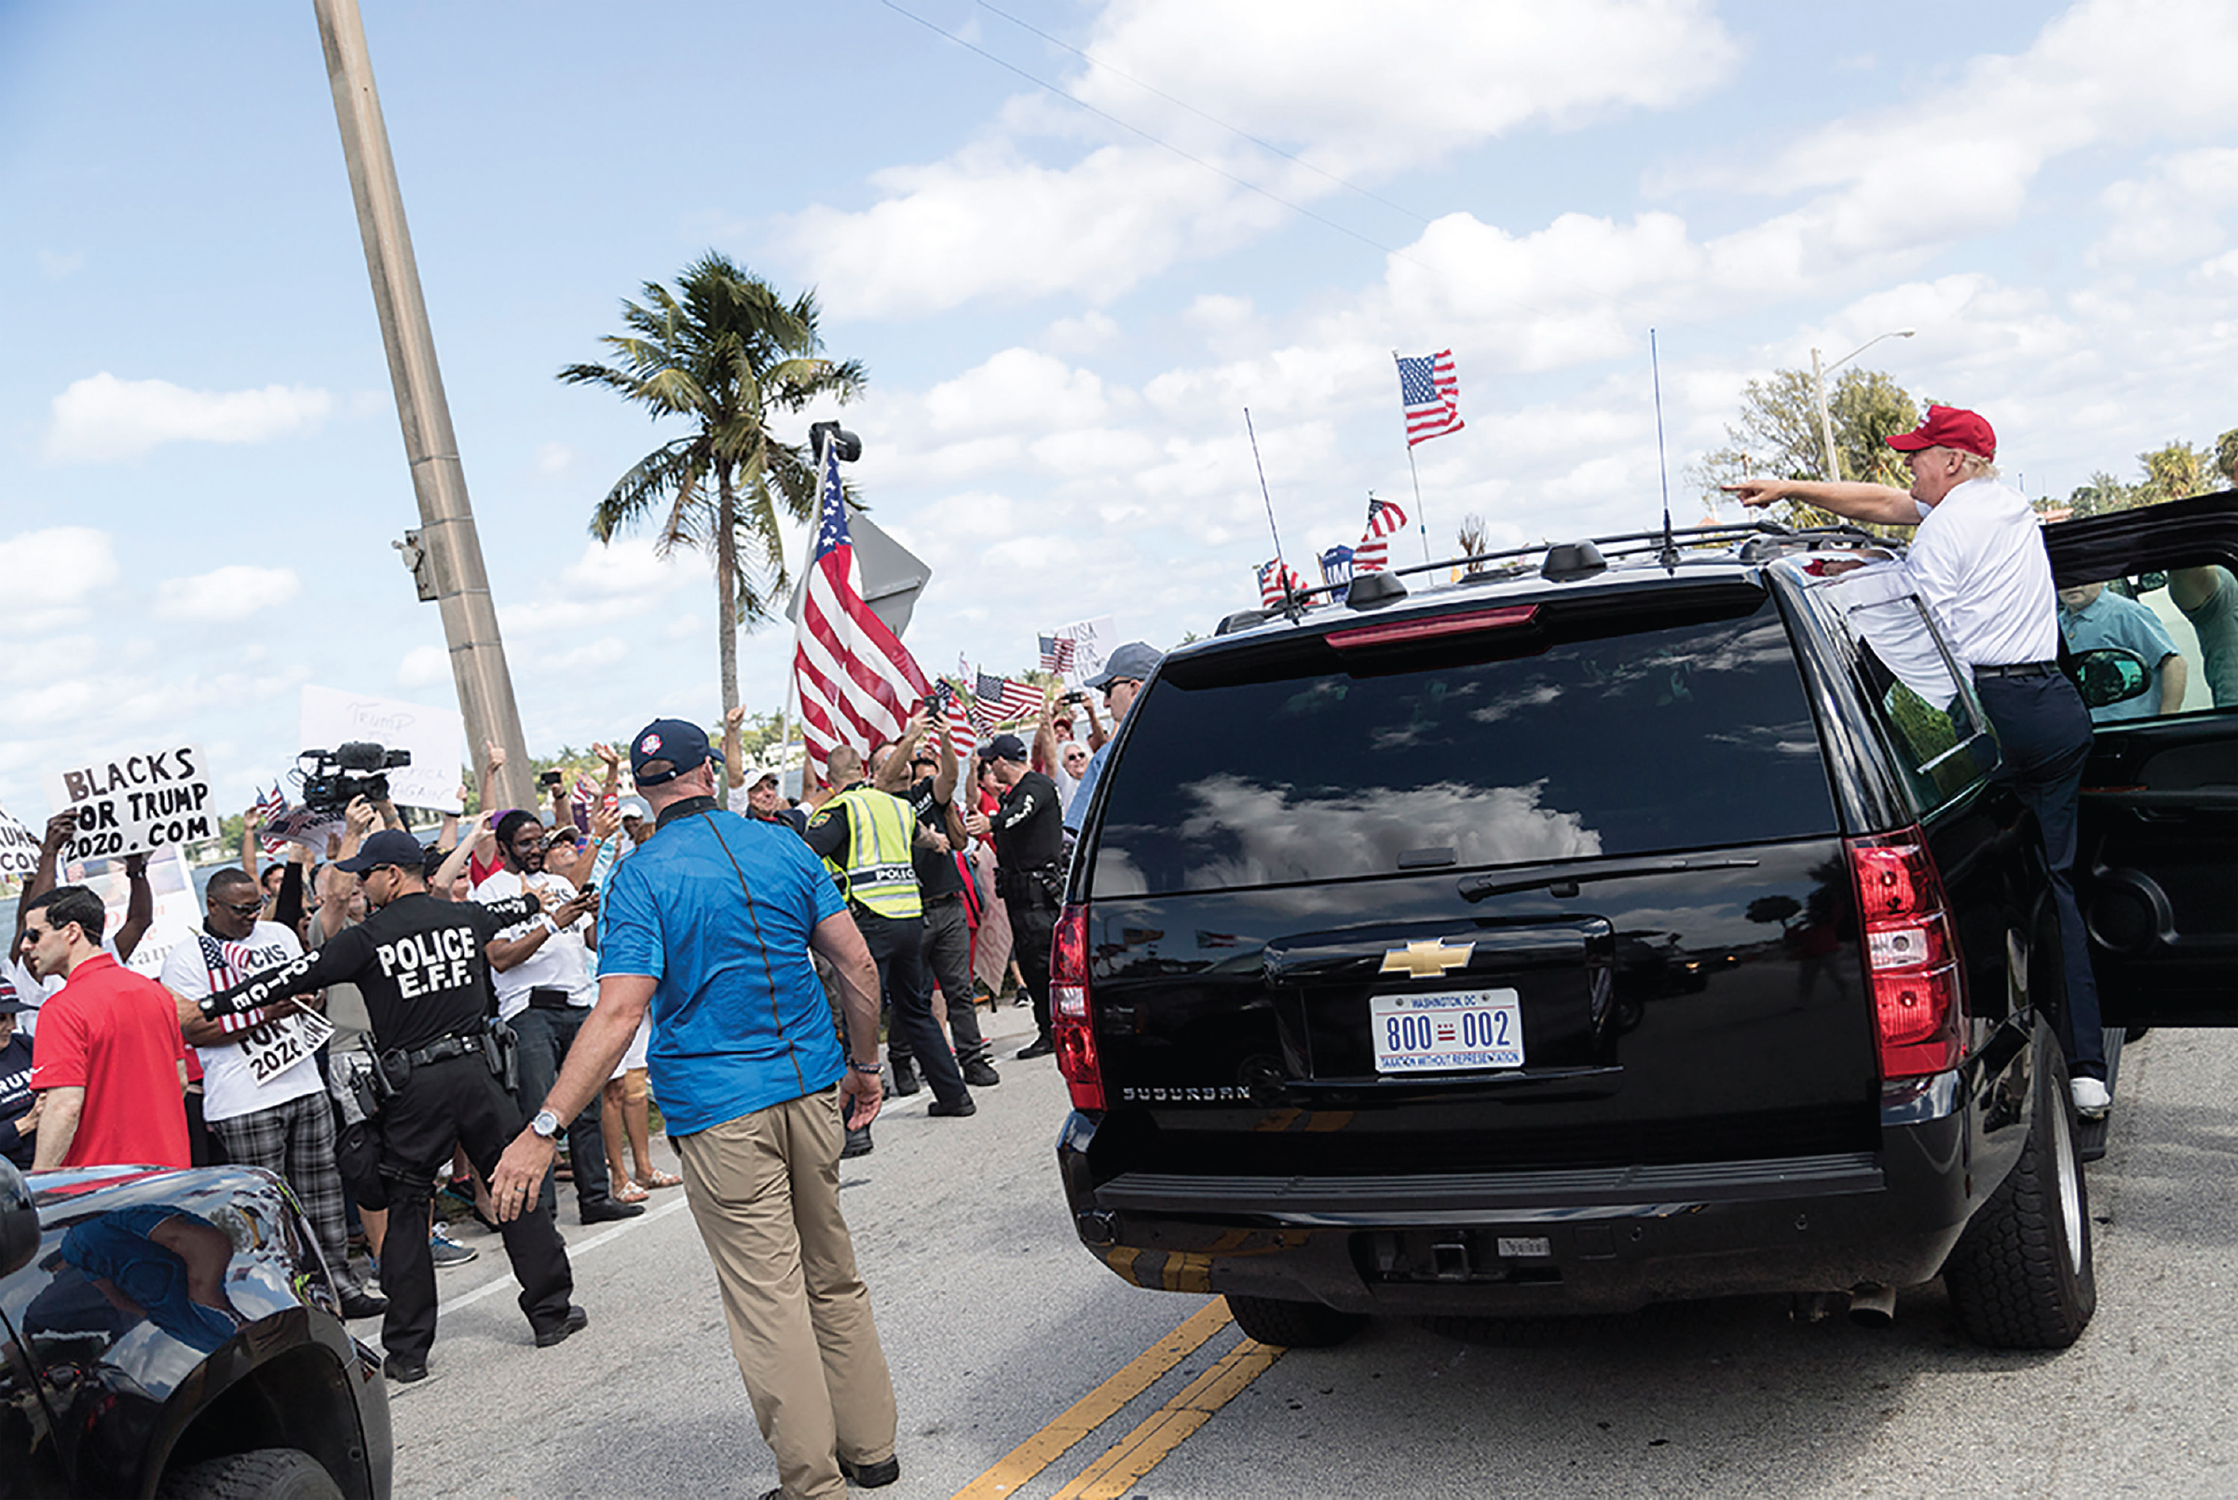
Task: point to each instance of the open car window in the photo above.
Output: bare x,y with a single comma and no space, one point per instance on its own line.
2180,623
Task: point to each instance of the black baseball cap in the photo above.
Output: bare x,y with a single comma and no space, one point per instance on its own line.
391,846
678,744
1006,747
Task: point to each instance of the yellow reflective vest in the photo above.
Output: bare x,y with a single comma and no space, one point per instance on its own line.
878,873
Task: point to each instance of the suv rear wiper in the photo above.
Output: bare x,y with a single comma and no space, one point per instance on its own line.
1566,882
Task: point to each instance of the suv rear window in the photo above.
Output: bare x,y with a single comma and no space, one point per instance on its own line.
1315,767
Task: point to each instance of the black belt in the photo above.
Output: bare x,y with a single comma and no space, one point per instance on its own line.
2019,669
442,1049
549,997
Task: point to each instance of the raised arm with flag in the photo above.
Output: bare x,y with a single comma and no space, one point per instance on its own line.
855,679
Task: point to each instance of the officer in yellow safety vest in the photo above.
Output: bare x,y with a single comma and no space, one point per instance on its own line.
865,837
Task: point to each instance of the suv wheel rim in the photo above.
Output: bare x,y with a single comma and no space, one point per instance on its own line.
2064,1167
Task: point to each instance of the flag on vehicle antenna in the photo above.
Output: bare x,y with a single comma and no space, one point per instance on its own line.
1430,392
1274,577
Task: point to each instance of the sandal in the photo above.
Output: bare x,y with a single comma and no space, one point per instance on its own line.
660,1179
629,1192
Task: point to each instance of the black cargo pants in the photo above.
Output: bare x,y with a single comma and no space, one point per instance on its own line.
456,1100
897,946
1033,926
948,960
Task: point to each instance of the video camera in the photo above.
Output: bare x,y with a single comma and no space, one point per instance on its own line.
332,778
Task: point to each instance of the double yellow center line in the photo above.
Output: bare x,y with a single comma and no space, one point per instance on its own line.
1141,1450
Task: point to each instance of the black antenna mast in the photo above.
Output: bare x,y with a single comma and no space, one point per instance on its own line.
1281,569
1669,555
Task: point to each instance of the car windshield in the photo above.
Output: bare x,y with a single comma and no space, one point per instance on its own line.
1686,736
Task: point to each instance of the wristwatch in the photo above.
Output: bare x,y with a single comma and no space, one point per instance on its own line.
869,1067
545,1124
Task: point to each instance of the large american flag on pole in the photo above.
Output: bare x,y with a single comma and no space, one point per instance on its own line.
1373,553
1430,391
856,680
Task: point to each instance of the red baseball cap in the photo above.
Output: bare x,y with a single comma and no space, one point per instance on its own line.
1949,427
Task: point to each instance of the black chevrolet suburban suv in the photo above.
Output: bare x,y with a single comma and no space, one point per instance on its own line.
1628,922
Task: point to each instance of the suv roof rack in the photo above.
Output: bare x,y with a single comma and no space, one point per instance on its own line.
1756,541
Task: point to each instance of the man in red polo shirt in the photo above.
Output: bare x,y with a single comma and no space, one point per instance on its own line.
108,1063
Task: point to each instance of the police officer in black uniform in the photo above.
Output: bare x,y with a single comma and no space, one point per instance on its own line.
419,963
1029,834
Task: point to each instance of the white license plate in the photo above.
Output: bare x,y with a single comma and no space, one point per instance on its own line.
1451,1032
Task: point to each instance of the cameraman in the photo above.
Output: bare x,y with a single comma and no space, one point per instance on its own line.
419,963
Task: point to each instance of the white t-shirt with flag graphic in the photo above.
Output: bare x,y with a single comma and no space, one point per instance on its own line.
201,965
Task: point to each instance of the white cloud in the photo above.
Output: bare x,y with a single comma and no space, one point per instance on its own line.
554,458
101,418
233,592
2174,215
59,565
424,666
1349,92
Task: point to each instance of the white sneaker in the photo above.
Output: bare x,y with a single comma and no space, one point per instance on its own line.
2093,1100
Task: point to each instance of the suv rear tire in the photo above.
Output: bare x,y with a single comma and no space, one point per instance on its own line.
2021,1276
1293,1325
259,1474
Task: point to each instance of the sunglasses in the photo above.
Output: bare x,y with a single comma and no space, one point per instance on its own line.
240,908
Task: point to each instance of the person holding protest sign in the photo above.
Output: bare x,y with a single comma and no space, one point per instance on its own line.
262,1095
419,963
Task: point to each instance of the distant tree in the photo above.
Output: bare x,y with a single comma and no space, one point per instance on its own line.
2174,471
725,353
1473,538
1778,434
2103,493
2226,455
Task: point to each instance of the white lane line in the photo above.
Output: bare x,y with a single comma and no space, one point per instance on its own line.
507,1282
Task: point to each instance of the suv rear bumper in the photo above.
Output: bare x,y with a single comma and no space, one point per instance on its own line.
1537,1242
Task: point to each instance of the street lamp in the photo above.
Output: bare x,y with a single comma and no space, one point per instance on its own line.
1818,379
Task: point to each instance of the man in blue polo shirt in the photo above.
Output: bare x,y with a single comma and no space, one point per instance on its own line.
710,925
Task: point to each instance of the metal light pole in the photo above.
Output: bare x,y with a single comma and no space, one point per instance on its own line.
451,565
1818,380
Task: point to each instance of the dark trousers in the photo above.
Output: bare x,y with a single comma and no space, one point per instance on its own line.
545,1035
455,1100
897,946
948,960
1033,924
2044,733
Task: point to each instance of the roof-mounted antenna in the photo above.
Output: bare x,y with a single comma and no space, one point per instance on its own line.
1290,602
1668,557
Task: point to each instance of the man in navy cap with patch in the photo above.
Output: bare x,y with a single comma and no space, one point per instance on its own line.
709,927
1124,672
1979,564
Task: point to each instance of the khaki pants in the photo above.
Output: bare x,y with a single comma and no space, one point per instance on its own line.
764,1189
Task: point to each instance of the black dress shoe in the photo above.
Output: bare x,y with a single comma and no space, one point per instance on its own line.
872,1476
363,1305
404,1371
980,1073
858,1144
606,1209
956,1108
1040,1046
576,1321
905,1076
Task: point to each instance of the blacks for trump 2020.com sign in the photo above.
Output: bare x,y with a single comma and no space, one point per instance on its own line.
138,803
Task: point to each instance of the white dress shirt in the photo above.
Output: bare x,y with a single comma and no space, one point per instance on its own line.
1979,561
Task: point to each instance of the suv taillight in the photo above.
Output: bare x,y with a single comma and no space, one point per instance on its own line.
1911,955
1068,1010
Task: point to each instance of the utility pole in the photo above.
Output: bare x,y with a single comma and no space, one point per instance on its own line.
1818,383
452,551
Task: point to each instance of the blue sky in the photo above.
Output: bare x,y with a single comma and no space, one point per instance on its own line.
200,469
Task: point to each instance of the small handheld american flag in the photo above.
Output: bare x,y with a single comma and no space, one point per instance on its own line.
1430,391
1384,519
1056,653
1276,579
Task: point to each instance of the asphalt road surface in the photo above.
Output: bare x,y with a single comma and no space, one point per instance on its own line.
1023,1367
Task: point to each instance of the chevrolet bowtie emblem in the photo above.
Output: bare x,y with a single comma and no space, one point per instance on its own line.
1426,960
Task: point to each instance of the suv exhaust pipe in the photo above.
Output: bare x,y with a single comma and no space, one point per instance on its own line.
1872,1305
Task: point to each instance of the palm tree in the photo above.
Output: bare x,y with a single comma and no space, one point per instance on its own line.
725,352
